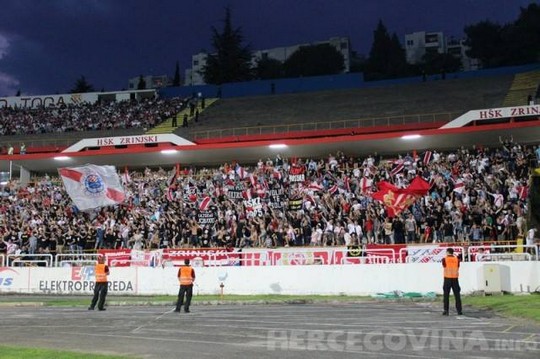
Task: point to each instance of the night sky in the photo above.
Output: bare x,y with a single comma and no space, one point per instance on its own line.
46,45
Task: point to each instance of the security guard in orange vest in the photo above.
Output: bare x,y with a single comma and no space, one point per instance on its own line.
186,277
101,272
451,274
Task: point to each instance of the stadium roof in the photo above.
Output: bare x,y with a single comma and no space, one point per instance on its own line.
250,152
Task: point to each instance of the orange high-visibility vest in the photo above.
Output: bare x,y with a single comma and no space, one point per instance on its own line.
101,274
452,267
185,277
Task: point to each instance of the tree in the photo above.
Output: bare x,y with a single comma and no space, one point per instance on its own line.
268,68
397,61
314,60
142,84
436,63
510,44
82,86
18,94
231,61
176,79
485,42
358,62
522,38
386,57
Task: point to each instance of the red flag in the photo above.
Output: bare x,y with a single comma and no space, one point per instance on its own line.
314,186
418,186
241,172
459,186
523,192
397,199
246,194
261,191
169,194
253,180
205,203
126,178
218,191
397,169
347,183
365,185
172,178
427,157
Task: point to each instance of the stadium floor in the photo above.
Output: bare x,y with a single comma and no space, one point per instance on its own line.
371,329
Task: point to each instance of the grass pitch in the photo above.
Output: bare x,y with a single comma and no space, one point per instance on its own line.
8,352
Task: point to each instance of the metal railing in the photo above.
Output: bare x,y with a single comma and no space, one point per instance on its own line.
134,262
29,262
13,259
324,125
230,260
499,257
290,256
256,259
73,258
428,257
376,254
473,250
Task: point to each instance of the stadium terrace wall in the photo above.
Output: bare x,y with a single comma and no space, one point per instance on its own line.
321,83
295,280
268,87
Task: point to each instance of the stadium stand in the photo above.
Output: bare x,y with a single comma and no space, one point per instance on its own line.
523,85
50,128
188,111
87,117
476,194
453,96
432,101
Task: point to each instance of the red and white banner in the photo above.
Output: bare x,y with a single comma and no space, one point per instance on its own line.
365,185
202,257
375,253
116,257
371,254
429,254
93,186
165,257
210,257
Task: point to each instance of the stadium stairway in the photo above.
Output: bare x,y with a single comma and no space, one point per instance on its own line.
523,85
167,127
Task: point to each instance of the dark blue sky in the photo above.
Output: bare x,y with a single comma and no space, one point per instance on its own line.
46,45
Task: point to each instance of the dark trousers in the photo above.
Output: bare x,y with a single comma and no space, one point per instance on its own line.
100,292
185,291
453,284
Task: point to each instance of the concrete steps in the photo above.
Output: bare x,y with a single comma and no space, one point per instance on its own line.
167,126
523,85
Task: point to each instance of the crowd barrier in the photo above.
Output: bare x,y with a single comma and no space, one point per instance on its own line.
17,260
221,257
514,276
63,259
472,250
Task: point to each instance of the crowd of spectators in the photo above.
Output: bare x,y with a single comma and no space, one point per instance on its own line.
143,114
477,194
